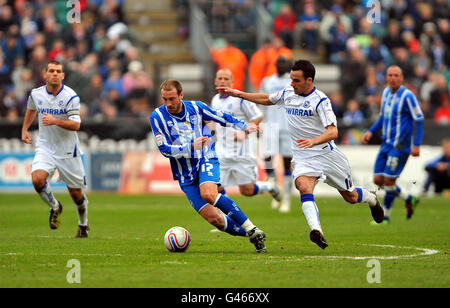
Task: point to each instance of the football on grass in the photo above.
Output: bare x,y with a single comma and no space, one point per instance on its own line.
177,239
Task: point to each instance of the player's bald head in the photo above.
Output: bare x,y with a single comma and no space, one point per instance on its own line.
225,71
395,69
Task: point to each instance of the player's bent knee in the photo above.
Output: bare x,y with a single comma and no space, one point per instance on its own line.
247,190
209,197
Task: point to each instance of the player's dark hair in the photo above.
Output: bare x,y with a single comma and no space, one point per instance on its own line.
283,65
170,84
306,67
55,63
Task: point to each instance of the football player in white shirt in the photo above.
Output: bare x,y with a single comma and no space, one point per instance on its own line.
313,127
238,164
57,147
276,140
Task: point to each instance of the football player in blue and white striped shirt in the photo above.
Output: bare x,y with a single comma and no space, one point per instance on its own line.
183,136
400,112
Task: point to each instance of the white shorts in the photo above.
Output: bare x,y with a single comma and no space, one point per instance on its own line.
276,142
235,172
333,168
71,170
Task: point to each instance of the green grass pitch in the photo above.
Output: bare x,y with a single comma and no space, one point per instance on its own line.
125,246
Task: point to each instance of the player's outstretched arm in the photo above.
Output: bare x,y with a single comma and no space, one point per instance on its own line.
257,98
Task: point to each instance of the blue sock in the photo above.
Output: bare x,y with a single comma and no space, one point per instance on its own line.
389,199
360,194
230,208
232,227
255,189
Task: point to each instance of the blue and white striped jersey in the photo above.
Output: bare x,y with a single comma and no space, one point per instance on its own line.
399,112
175,136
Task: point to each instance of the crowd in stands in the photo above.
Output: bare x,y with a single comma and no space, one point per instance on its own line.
100,56
363,41
103,66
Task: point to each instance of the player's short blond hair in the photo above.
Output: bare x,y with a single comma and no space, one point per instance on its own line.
170,84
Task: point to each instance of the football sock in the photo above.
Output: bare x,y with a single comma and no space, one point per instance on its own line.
391,193
262,187
366,196
230,208
82,211
287,183
232,227
311,212
402,194
47,196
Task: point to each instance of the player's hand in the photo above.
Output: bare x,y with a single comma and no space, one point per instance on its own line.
252,128
225,91
201,142
239,136
48,119
305,143
26,138
415,151
366,137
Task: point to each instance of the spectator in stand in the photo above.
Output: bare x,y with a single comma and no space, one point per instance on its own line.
352,70
411,42
136,78
330,20
114,81
376,52
337,103
58,51
393,39
338,43
309,23
442,115
440,94
439,170
93,92
284,25
352,115
263,61
225,55
6,19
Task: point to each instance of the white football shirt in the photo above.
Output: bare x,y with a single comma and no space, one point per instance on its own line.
307,116
243,110
55,140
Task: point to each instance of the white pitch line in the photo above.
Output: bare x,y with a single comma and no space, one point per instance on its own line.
424,252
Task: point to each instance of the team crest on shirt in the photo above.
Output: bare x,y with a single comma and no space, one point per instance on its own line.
306,104
193,119
170,123
40,103
60,103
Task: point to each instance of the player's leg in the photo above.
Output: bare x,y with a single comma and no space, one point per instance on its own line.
81,206
71,171
42,169
285,206
305,185
394,166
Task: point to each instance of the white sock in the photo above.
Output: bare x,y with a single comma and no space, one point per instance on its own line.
401,193
311,213
248,225
47,196
368,197
287,184
264,187
387,212
82,212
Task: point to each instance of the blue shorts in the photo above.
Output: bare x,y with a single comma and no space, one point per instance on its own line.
390,161
209,171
